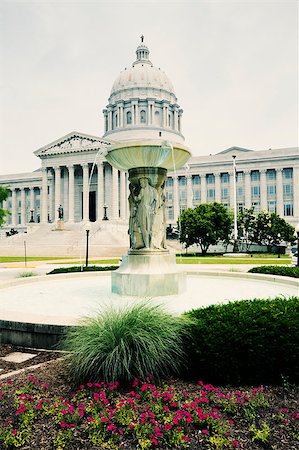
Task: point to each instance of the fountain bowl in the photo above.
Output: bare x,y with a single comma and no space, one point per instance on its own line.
148,153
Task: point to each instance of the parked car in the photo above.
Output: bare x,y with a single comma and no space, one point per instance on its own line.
295,258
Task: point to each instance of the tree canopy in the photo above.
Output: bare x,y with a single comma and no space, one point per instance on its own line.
205,225
3,212
271,229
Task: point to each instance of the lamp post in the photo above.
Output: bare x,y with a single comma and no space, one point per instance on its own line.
297,232
235,249
87,229
105,213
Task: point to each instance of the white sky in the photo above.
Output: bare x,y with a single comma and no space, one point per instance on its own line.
234,66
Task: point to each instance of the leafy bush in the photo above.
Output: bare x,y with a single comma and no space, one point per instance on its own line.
27,274
245,342
123,344
82,269
285,271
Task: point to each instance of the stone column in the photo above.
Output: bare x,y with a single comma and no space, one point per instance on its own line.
85,192
71,212
44,196
150,112
176,206
123,197
295,192
115,202
109,119
189,192
23,207
175,118
203,188
279,192
247,188
217,187
13,207
57,190
100,190
263,190
133,114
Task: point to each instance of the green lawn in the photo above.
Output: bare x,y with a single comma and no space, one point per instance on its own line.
5,259
227,260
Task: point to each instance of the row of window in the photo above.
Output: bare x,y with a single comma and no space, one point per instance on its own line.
288,209
224,177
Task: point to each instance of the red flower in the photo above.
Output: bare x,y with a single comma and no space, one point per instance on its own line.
235,444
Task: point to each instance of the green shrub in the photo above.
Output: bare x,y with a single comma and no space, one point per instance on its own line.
27,274
82,269
245,342
119,345
286,271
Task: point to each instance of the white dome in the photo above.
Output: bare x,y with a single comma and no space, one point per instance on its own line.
142,75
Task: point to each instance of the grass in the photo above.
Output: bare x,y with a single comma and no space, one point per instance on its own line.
27,274
227,260
8,259
93,261
141,340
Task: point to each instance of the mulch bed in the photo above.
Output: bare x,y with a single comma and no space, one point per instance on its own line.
56,374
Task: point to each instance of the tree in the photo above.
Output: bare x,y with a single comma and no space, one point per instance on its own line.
271,229
247,226
205,225
3,212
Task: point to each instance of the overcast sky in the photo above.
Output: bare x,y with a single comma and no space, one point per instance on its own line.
234,67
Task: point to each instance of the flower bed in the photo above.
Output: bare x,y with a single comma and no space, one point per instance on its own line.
44,413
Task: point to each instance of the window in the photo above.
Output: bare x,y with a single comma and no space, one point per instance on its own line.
211,193
183,195
272,206
182,181
195,179
224,192
287,189
169,182
255,175
256,207
182,207
116,120
239,191
224,178
170,213
255,191
196,194
240,207
271,174
142,116
239,177
287,173
169,120
129,117
288,209
210,178
271,190
168,196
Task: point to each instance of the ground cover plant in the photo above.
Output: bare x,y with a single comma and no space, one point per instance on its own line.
248,342
44,413
120,344
82,269
273,270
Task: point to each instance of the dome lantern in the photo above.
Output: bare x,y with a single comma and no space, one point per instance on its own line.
142,53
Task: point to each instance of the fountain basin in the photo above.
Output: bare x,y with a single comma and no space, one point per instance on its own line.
148,153
35,312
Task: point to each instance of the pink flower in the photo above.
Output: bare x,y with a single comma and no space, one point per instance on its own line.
235,444
205,432
14,432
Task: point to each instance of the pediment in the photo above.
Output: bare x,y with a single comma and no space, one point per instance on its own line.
73,142
233,150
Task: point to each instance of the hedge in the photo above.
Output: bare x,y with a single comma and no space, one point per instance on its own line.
285,271
245,342
82,269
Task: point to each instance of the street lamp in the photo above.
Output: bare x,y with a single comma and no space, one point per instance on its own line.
87,229
105,213
235,249
297,232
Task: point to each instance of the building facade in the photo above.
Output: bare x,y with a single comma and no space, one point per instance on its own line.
142,104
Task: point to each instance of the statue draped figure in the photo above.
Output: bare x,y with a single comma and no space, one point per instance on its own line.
147,224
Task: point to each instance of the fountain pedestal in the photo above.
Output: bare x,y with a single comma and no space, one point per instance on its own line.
149,269
148,275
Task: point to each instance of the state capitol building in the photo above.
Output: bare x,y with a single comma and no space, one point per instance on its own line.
142,104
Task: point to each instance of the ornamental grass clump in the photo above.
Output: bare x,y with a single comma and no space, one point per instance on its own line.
119,345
